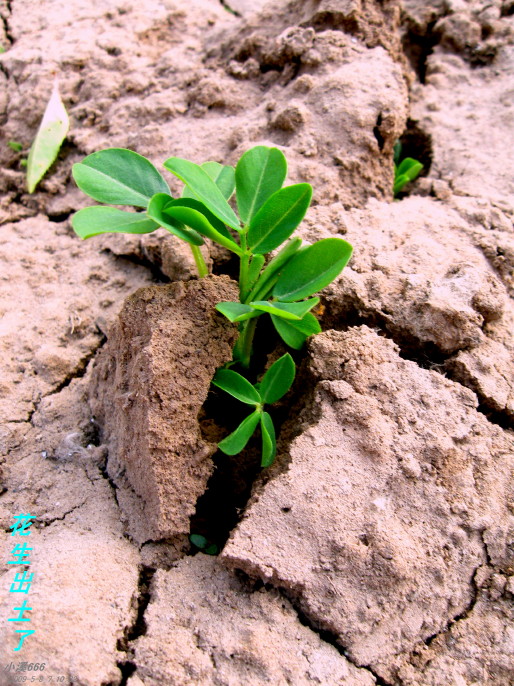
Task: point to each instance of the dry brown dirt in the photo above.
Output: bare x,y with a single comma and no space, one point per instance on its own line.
379,549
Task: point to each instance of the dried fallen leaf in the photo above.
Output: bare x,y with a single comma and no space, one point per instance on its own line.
48,140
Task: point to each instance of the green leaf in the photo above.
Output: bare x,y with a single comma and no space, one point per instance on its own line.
237,312
264,284
278,379
49,138
194,214
399,182
411,168
406,171
295,311
15,146
237,386
156,211
259,173
119,177
223,176
312,269
187,201
203,188
199,541
269,443
203,544
236,441
296,333
278,218
92,221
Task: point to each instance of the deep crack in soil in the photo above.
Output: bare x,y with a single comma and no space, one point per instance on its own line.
138,627
425,354
224,501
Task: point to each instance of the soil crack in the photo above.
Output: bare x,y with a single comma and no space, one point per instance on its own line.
138,627
229,9
5,22
425,355
4,19
77,374
327,636
223,504
141,261
44,524
475,588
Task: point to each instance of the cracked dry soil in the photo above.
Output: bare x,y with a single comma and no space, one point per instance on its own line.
379,549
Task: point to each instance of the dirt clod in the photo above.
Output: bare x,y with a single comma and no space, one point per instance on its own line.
401,475
150,383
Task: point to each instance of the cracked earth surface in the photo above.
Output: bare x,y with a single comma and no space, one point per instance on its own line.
379,549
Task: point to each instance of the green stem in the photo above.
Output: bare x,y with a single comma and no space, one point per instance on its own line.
199,261
245,342
243,267
265,289
269,276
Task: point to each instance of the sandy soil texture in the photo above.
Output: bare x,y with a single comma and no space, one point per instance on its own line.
379,549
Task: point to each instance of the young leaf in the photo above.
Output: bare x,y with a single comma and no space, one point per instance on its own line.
237,386
278,379
237,312
192,213
236,441
92,221
211,549
296,333
156,211
199,541
406,171
187,201
278,217
265,281
312,269
223,176
203,544
400,181
254,269
47,143
259,173
203,188
269,443
294,311
411,168
119,177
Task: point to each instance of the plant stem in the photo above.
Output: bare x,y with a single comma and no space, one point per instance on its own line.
199,261
243,267
245,342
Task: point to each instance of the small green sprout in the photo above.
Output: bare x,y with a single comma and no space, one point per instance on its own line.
267,215
405,170
203,544
274,385
15,146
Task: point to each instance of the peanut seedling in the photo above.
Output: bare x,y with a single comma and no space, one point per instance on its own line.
268,213
405,170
